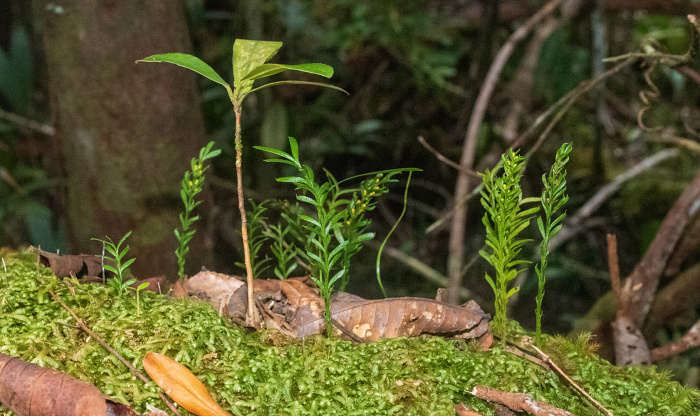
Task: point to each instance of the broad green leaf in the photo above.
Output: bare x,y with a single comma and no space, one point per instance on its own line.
187,61
267,70
142,286
247,56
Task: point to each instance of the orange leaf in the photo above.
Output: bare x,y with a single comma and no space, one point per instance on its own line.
181,385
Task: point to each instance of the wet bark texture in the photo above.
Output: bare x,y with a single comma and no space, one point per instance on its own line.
126,131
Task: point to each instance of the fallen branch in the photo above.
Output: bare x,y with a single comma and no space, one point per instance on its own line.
463,410
578,388
519,402
689,340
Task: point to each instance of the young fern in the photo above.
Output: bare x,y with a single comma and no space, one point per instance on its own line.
505,219
553,198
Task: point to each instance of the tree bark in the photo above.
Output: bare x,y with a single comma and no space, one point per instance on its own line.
126,131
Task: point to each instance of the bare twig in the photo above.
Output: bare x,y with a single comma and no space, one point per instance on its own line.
444,159
561,373
645,277
27,123
574,224
689,340
518,402
462,188
420,268
614,267
463,410
347,332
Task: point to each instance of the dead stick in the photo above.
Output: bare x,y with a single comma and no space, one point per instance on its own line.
444,159
85,328
689,340
614,267
559,371
519,402
347,332
25,122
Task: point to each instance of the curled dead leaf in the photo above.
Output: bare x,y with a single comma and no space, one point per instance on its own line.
31,390
181,385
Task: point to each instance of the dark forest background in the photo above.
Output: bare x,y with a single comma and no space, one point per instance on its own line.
92,144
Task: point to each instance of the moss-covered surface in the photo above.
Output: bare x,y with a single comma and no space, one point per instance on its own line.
266,374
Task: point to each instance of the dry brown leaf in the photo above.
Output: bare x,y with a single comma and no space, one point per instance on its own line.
30,390
80,265
181,385
395,317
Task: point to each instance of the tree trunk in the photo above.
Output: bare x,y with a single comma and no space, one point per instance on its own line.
126,131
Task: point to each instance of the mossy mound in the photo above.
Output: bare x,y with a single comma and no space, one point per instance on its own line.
265,374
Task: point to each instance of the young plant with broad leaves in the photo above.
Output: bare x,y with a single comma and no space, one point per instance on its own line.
192,184
250,59
553,199
505,218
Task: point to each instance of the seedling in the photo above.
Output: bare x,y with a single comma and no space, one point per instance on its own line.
256,237
191,185
285,253
138,290
249,65
504,219
120,270
338,228
553,198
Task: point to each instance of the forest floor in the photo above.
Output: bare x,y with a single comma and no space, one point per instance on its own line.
267,373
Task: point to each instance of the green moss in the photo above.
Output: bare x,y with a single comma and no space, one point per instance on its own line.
265,374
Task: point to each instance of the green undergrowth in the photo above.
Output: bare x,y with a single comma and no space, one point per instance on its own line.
264,373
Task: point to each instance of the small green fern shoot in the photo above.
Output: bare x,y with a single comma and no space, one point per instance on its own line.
505,219
553,198
191,185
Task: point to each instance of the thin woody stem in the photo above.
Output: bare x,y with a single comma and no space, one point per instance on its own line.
251,317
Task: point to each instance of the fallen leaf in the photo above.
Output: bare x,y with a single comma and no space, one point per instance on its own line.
396,317
79,265
27,389
181,385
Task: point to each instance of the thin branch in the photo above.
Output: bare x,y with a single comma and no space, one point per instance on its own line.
421,268
462,188
578,388
574,224
519,402
27,123
689,340
444,159
614,267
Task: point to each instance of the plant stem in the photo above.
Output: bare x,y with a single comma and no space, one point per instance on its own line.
252,317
